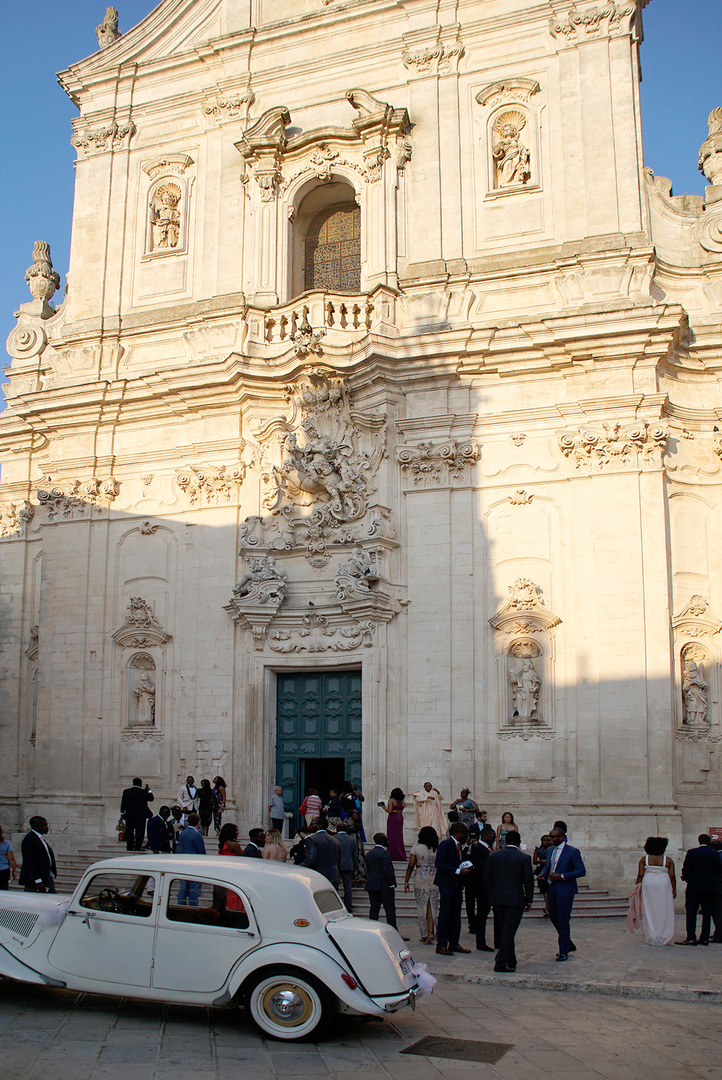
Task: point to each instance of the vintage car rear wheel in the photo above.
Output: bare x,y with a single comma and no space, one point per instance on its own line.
288,1004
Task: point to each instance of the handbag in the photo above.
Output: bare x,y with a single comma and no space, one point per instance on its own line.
120,829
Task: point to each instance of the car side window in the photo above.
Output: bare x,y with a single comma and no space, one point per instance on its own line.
120,894
206,904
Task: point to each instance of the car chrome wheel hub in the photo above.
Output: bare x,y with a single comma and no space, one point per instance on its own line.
287,1005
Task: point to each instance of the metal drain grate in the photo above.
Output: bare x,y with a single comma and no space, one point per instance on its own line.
459,1049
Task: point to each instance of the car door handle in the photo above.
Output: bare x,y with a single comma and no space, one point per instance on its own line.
85,915
247,933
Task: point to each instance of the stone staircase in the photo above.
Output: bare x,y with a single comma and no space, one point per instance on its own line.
589,904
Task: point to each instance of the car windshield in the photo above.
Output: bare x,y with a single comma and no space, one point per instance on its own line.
328,902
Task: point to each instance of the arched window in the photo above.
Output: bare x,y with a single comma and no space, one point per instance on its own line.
333,250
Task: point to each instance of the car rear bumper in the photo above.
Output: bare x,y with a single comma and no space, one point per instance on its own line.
409,998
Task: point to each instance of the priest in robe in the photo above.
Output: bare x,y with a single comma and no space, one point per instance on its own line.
427,802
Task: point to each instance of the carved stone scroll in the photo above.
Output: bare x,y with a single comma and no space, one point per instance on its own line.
141,629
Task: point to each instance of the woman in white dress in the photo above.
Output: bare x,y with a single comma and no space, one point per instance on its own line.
659,888
422,864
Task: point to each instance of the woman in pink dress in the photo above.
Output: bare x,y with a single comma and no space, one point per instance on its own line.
395,825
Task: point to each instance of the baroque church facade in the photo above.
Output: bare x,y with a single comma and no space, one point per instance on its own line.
378,435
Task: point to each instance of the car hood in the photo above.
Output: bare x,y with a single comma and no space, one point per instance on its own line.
24,915
374,952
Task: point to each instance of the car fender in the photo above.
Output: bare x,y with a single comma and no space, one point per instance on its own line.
305,959
12,968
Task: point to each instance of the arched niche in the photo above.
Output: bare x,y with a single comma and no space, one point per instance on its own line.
327,240
142,693
513,148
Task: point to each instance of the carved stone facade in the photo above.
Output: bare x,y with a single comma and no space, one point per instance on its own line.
388,365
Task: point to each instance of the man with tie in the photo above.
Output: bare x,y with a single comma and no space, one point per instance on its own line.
381,880
509,881
479,855
449,879
561,870
38,871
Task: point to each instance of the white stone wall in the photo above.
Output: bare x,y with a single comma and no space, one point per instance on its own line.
530,396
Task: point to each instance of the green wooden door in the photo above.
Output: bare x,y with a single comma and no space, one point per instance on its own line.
318,720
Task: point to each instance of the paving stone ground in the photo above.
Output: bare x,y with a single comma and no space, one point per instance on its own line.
572,1035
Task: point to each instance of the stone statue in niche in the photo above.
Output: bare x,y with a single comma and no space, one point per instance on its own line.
145,697
511,156
526,684
694,694
710,152
165,217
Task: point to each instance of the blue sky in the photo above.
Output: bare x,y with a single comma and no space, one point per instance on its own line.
681,84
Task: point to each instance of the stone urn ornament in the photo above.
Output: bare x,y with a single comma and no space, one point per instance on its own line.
710,152
108,32
42,280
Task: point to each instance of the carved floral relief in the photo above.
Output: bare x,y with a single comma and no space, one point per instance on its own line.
211,485
429,464
14,517
71,499
113,137
615,445
316,634
592,22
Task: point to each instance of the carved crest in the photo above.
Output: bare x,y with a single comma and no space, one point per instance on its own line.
141,629
524,611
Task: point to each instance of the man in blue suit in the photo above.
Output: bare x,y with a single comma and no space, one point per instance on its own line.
561,870
381,880
190,842
450,878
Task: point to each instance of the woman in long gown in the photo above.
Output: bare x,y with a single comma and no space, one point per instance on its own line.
395,825
659,888
422,864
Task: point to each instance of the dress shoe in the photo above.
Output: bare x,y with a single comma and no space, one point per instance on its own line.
459,948
505,969
717,940
701,942
443,951
484,948
572,947
689,941
561,956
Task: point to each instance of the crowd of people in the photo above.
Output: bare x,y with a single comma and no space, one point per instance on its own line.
459,857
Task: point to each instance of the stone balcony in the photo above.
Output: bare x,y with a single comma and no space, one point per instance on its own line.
318,322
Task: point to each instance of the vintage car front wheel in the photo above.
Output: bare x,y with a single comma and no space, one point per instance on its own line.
288,1004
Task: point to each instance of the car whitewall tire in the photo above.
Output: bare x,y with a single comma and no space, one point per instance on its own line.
287,1004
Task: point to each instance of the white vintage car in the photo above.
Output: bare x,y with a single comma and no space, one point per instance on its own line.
210,930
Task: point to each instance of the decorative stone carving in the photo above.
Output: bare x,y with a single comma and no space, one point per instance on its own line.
33,646
141,629
316,635
506,91
357,575
108,32
593,22
520,498
526,684
74,498
231,107
696,620
323,456
429,464
321,160
145,696
263,583
307,340
377,124
525,597
146,528
615,446
710,153
167,165
694,691
511,157
14,517
404,150
42,280
518,439
438,59
113,137
262,147
212,485
165,217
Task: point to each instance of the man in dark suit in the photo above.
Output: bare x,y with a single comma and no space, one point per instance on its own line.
256,840
701,871
563,866
158,834
381,880
478,855
134,808
38,871
509,881
450,879
349,863
323,852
